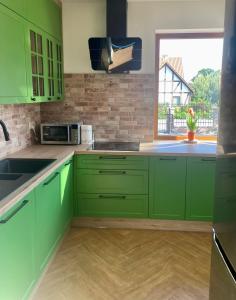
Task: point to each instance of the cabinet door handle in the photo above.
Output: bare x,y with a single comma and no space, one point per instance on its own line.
112,197
105,172
4,221
49,98
51,179
113,157
169,158
208,159
33,99
58,98
69,163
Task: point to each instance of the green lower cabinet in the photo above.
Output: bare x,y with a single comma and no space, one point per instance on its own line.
112,205
167,178
112,162
66,184
48,224
17,250
112,181
200,188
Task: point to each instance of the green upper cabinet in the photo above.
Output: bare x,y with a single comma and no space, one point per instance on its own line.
167,176
37,61
17,6
45,14
45,66
17,274
54,69
200,188
13,59
48,210
31,52
59,75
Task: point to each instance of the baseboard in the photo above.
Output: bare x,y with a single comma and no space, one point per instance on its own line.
168,225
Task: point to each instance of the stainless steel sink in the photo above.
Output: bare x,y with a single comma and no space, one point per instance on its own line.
14,172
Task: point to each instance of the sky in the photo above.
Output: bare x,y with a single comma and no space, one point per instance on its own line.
196,54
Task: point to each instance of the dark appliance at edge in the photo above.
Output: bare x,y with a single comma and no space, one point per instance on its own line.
223,266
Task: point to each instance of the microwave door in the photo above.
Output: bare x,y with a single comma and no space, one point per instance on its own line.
56,134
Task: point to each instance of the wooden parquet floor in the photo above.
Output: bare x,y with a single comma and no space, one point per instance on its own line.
118,264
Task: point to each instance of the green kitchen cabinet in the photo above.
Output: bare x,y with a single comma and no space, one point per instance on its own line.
48,214
112,181
17,6
50,67
111,186
167,177
112,205
54,69
45,14
200,188
114,162
66,192
59,74
46,72
17,240
37,60
13,59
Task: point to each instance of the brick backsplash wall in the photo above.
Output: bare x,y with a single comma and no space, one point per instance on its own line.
119,106
19,120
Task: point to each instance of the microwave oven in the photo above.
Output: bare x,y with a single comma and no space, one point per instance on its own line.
58,133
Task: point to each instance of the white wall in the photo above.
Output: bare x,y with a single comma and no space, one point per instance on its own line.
83,19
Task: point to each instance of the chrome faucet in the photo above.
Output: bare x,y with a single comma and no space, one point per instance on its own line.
5,132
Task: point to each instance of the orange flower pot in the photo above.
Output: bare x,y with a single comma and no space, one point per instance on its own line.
191,135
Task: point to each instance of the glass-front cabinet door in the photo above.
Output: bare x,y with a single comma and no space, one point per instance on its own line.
45,67
50,68
37,65
59,72
54,69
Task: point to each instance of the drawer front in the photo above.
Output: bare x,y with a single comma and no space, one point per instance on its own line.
127,162
112,181
110,205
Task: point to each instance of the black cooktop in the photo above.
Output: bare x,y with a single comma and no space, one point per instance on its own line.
115,146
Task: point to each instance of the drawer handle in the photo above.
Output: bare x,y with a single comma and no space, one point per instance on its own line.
113,157
51,179
171,159
208,159
112,197
14,212
69,163
112,172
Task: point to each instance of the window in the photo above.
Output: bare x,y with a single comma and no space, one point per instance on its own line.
188,72
176,100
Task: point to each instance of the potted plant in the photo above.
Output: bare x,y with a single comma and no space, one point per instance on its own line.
191,120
